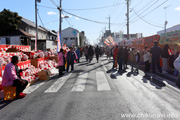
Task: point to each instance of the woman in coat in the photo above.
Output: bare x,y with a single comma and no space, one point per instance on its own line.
61,62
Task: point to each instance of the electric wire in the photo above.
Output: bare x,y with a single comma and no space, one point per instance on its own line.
89,19
151,10
97,7
146,21
146,9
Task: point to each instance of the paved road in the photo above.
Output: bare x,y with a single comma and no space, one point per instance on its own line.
95,92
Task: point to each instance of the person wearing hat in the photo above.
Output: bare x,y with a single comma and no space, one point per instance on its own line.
156,54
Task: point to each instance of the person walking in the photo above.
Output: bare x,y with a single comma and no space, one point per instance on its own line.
132,59
97,52
115,52
78,54
70,58
108,52
86,53
156,54
120,58
126,55
61,62
90,53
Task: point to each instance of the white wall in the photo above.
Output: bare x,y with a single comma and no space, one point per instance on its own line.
50,44
68,33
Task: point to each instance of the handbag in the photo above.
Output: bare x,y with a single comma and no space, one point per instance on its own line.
178,81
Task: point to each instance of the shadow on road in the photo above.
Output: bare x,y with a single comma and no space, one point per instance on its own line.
4,103
158,84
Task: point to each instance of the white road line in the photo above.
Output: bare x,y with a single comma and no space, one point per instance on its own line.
58,84
81,82
102,63
102,83
32,88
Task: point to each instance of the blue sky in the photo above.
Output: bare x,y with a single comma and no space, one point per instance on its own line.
150,11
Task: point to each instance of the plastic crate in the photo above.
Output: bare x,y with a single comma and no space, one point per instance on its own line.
9,92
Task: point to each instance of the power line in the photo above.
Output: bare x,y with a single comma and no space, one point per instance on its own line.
146,9
47,7
89,19
147,21
151,10
142,7
137,4
97,7
68,21
40,19
54,3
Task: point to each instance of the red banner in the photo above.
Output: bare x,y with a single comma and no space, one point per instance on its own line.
18,47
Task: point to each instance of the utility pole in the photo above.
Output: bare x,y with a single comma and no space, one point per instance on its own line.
166,22
60,20
109,23
127,19
36,36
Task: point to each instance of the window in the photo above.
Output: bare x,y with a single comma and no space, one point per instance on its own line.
72,38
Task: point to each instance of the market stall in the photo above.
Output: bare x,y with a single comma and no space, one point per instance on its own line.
36,62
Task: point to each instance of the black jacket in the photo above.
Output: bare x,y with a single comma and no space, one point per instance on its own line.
155,51
120,54
90,52
97,50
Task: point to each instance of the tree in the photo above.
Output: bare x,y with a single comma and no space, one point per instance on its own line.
9,21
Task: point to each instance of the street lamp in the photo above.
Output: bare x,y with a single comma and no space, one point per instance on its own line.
166,22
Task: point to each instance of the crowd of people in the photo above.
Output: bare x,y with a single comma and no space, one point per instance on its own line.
149,57
122,56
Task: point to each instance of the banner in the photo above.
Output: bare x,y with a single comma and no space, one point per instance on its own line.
36,42
111,39
170,38
58,41
106,43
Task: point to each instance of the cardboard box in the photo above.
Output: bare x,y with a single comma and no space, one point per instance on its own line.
44,75
48,49
54,58
34,62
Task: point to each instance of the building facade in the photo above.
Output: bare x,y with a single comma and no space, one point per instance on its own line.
46,38
71,37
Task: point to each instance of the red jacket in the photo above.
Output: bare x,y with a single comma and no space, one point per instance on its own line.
115,51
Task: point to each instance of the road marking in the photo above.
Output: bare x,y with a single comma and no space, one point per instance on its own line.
58,84
102,83
32,88
81,82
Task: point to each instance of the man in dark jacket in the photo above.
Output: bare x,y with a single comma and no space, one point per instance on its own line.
97,51
70,59
156,53
126,54
120,57
90,53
